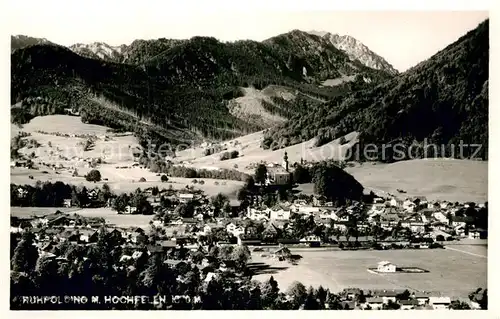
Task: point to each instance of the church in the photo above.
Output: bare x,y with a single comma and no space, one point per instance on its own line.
279,175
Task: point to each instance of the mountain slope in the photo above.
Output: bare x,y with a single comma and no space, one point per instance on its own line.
22,41
180,90
443,99
99,50
357,50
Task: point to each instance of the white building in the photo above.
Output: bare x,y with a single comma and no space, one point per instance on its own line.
186,197
439,302
257,214
310,239
374,303
279,214
409,205
395,202
385,266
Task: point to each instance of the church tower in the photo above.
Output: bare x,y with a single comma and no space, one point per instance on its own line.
285,162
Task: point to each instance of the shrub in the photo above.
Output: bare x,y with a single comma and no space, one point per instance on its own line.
142,180
93,176
164,178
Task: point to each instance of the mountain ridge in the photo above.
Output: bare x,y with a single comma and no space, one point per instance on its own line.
356,50
443,100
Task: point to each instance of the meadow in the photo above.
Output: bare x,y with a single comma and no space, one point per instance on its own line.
451,273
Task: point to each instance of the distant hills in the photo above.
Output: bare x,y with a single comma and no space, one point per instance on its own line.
185,91
178,90
443,100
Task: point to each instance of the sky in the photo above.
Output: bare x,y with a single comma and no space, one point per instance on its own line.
403,38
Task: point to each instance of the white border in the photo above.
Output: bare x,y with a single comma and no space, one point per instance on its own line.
281,5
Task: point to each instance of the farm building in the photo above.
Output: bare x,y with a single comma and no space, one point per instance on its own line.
281,252
385,266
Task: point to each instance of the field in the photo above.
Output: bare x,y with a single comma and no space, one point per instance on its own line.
452,273
443,179
453,180
116,150
250,152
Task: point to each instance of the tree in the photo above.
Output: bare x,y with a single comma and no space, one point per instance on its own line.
218,201
261,174
311,303
185,210
361,298
93,176
164,178
299,293
301,175
155,191
336,184
121,202
269,293
25,254
459,305
241,255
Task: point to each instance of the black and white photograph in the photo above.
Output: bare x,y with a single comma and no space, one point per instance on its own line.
168,159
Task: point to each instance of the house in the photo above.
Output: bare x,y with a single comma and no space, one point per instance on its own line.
387,295
257,214
235,230
408,304
421,298
185,197
409,205
21,192
385,266
374,303
351,293
439,302
304,209
67,202
130,209
280,214
92,194
458,221
441,217
445,205
396,202
433,206
478,233
311,240
281,253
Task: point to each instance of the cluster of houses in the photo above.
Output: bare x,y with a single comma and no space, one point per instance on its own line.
434,220
382,298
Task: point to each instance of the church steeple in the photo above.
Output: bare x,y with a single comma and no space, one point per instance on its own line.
285,162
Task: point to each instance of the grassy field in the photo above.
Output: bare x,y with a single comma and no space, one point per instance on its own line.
451,272
115,150
250,152
453,180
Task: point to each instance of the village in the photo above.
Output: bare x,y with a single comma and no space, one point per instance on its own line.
189,220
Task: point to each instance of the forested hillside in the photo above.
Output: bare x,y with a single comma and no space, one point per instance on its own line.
443,100
177,91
